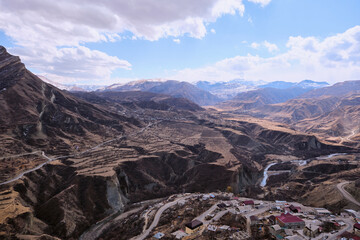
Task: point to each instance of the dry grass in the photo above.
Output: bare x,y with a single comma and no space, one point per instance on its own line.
10,206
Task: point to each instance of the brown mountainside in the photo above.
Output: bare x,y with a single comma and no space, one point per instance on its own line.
253,99
36,114
337,90
118,151
332,118
141,99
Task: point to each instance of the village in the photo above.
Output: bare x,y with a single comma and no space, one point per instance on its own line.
225,216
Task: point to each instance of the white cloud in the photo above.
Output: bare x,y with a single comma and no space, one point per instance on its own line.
176,40
67,22
336,58
75,63
250,20
263,3
255,45
270,46
47,26
213,31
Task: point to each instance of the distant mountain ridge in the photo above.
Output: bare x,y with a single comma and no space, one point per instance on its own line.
145,100
71,87
337,90
169,87
302,84
271,93
256,98
203,93
229,89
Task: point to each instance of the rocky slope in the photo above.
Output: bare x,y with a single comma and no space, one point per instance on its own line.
141,99
257,98
37,116
337,90
332,118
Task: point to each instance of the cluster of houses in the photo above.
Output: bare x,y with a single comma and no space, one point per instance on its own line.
195,226
290,223
291,220
355,235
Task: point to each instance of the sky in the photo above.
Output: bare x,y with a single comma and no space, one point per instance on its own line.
101,42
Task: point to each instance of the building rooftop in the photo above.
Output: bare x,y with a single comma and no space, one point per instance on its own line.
288,218
357,226
248,202
212,228
194,224
294,237
221,205
276,227
348,235
159,235
179,234
322,211
289,232
312,227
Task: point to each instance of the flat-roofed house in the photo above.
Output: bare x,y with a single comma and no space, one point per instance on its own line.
311,230
275,230
322,211
193,226
290,221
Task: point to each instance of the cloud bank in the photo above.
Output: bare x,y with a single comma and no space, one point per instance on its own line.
49,34
333,58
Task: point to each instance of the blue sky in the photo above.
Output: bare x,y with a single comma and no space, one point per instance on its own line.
229,39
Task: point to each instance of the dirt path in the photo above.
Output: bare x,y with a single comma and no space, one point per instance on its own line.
348,137
95,231
347,195
30,170
49,159
157,219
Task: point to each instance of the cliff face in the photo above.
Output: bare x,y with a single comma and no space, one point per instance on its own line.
64,204
246,177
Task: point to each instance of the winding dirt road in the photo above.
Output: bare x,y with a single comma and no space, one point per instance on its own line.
347,195
49,159
157,219
348,138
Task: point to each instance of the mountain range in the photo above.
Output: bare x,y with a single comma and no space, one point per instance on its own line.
330,112
202,93
70,160
168,87
307,84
